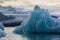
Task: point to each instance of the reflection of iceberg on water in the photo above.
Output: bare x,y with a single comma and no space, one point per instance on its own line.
39,22
2,33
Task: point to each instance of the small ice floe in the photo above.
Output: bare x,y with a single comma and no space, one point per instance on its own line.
1,26
2,33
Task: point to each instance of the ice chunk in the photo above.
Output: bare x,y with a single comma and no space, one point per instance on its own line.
19,29
1,26
2,33
39,22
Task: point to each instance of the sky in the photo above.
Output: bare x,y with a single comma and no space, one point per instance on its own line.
32,2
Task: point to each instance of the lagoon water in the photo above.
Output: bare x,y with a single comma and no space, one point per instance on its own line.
42,37
11,36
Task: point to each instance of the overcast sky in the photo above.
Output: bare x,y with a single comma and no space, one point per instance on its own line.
33,2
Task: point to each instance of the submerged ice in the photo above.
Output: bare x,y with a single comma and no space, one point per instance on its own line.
39,22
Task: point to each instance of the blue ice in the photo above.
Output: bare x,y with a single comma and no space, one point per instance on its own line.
2,33
1,26
39,22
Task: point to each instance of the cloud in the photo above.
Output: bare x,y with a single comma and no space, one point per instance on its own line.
34,2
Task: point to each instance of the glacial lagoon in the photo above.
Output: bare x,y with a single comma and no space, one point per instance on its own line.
11,36
43,37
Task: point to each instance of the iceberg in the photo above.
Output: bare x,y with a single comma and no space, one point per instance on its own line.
39,22
2,33
1,26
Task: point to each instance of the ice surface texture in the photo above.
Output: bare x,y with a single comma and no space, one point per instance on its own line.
39,22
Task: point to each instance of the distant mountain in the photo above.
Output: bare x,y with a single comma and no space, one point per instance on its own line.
3,17
54,8
20,10
13,10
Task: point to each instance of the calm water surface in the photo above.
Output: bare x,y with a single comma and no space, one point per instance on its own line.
12,36
42,37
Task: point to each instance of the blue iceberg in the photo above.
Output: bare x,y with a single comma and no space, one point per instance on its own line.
1,26
2,33
39,22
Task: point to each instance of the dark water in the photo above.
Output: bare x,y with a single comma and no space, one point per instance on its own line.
42,37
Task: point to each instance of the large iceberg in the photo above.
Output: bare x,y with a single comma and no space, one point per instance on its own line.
39,22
